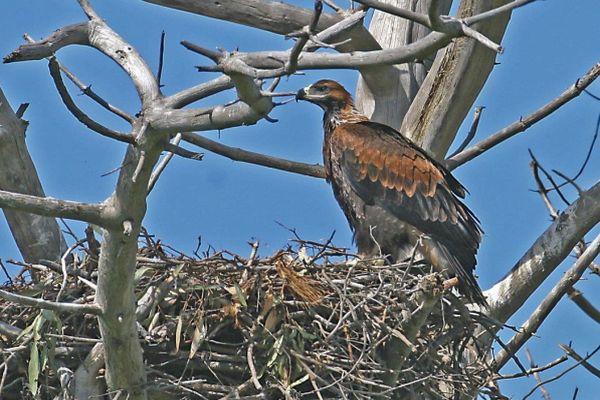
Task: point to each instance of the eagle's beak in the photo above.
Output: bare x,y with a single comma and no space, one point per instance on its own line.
301,95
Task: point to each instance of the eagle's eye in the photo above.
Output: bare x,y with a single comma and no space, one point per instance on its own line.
321,89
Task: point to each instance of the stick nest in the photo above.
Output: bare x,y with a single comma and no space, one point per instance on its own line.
312,323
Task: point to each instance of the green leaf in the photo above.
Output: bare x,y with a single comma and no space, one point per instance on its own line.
33,369
139,273
276,348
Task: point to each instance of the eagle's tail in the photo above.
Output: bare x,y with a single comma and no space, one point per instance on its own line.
442,259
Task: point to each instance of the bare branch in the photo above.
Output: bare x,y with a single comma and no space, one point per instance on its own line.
547,305
47,206
548,251
198,92
303,37
237,154
78,113
585,306
274,16
551,364
536,375
87,89
581,360
563,373
472,131
163,164
51,305
523,123
97,34
37,237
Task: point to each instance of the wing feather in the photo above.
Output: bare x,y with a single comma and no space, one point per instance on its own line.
387,170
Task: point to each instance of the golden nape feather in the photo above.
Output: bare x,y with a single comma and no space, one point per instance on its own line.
393,193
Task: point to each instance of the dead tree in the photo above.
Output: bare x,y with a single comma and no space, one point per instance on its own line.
270,305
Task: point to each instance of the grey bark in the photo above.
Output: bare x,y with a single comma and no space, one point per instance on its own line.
454,82
37,237
386,94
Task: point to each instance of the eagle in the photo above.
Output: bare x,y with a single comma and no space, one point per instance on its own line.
398,200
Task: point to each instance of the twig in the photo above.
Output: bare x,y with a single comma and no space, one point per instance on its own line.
87,89
559,375
584,304
550,179
10,281
523,123
78,113
51,305
536,375
472,131
547,305
63,264
250,359
585,162
163,164
552,364
572,353
303,35
238,154
161,58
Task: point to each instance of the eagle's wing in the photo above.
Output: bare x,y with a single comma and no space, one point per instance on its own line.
387,170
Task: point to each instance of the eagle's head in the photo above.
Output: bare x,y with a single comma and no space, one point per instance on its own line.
327,94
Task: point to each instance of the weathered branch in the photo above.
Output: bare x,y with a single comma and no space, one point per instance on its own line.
588,308
237,154
37,237
273,16
454,81
523,123
93,309
77,112
572,353
87,89
548,251
50,207
396,350
547,305
97,34
195,93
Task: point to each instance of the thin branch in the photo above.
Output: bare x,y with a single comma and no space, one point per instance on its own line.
472,131
161,58
78,113
93,309
585,306
557,377
572,353
523,123
47,206
238,154
303,36
587,157
195,93
97,34
163,164
547,305
87,89
534,370
536,375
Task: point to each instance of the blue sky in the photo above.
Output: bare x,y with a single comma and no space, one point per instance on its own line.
549,44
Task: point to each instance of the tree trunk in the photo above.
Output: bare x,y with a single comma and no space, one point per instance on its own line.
37,237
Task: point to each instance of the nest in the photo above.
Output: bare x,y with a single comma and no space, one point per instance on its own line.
313,323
